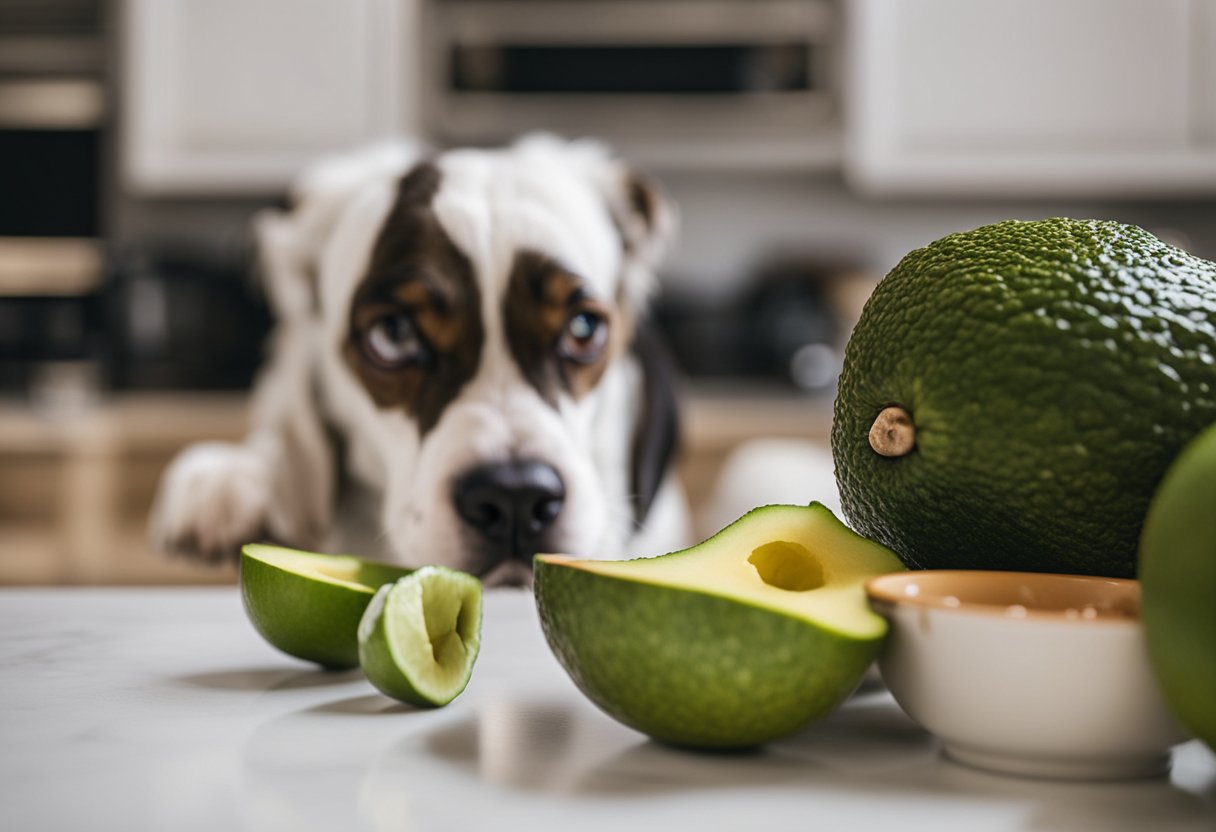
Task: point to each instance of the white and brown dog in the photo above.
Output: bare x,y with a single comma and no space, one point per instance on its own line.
461,373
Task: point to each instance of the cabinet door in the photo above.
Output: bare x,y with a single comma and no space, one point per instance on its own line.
231,96
1037,97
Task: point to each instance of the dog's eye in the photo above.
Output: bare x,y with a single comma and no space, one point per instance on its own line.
393,342
584,338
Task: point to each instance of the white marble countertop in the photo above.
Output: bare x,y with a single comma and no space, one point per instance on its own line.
161,709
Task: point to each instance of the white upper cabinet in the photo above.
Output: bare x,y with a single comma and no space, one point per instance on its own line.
234,96
1031,98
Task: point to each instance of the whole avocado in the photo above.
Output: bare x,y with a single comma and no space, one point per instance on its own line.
1012,395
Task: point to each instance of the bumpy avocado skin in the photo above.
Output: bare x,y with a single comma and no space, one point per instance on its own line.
1053,370
690,668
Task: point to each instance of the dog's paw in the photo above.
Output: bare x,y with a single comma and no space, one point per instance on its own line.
213,499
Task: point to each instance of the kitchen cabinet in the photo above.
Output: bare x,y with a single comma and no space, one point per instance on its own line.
1036,98
234,96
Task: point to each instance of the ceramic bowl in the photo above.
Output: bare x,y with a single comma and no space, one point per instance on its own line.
1027,674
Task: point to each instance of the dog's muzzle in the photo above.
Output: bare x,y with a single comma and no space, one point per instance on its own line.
511,507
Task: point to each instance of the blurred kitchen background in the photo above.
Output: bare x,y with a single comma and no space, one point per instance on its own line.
809,144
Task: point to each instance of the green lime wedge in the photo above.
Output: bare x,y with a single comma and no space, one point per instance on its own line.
419,637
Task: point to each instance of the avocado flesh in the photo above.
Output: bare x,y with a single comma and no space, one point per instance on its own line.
695,648
1052,370
343,570
802,541
308,604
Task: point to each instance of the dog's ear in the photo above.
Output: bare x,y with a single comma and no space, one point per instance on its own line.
290,242
641,207
644,216
290,433
304,483
288,272
656,434
647,221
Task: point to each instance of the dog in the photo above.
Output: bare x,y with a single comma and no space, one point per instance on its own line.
462,372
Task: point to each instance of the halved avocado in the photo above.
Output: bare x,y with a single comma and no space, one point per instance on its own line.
752,635
308,604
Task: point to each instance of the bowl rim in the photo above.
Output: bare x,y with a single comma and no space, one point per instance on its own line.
891,589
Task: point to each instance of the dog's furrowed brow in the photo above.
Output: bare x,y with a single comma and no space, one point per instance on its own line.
578,294
548,281
412,290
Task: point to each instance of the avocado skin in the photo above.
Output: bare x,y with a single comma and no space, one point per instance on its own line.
1178,578
694,669
304,617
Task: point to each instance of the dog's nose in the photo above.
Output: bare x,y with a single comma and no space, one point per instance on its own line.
511,504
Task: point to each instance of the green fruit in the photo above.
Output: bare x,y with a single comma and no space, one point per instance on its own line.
1012,395
308,605
1178,578
752,635
419,637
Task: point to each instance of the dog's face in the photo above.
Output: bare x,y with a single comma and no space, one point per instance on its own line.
476,313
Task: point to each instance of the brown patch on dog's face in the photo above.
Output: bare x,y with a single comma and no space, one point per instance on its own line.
415,334
560,335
